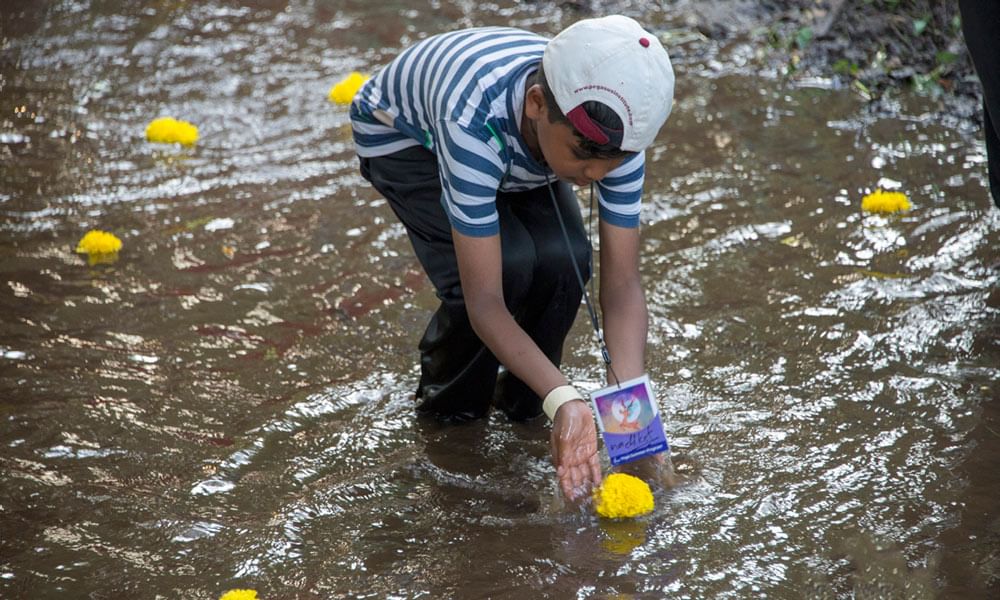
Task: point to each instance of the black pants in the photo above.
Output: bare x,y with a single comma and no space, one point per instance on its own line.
981,26
458,374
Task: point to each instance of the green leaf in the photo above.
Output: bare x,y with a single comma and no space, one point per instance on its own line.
927,84
919,25
197,223
863,89
946,58
803,37
845,67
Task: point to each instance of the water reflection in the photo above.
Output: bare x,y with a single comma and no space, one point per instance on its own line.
229,404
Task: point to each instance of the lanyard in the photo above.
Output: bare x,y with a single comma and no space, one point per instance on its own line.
594,321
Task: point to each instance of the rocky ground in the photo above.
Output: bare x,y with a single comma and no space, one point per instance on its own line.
878,47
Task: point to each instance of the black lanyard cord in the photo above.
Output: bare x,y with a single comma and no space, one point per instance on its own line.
594,321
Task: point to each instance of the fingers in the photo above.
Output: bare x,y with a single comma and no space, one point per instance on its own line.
577,477
595,470
569,485
566,482
574,482
579,480
574,451
554,448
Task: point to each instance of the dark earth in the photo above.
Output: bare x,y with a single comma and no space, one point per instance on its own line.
878,47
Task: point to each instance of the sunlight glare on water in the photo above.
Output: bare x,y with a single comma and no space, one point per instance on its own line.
229,404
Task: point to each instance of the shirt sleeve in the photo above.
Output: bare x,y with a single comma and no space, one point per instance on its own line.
619,194
471,170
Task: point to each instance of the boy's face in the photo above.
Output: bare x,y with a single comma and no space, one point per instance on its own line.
560,148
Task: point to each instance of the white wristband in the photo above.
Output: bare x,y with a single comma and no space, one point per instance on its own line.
557,397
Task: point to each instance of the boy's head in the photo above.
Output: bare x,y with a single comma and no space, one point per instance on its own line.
612,81
600,114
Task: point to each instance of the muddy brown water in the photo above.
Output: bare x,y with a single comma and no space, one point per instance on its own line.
229,405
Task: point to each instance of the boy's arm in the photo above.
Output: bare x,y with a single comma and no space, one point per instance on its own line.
574,437
623,302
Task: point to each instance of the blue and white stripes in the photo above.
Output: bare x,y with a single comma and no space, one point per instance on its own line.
461,95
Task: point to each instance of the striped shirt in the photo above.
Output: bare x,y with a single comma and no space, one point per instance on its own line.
461,96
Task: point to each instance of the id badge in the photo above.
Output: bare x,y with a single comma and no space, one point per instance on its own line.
629,420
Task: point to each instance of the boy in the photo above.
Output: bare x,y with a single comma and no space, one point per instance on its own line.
471,136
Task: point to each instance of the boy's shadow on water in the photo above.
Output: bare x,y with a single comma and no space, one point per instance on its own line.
501,465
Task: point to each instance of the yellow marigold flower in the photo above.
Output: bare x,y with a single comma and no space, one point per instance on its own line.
343,91
97,242
239,595
167,130
623,495
881,201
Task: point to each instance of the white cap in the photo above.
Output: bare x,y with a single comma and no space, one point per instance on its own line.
614,61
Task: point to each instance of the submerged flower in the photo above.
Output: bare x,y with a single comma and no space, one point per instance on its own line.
343,91
167,130
99,246
881,201
622,536
239,595
623,495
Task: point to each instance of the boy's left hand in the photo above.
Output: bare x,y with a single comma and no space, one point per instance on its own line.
574,450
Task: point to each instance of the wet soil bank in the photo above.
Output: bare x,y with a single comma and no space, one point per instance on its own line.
877,47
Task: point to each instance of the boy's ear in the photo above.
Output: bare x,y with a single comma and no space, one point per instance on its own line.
534,102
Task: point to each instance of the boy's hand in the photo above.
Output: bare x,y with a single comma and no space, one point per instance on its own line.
574,450
656,470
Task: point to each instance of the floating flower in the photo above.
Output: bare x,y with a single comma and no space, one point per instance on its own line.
622,495
343,91
881,201
99,246
99,242
167,130
239,595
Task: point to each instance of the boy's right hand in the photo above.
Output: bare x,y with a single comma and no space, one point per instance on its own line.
574,450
